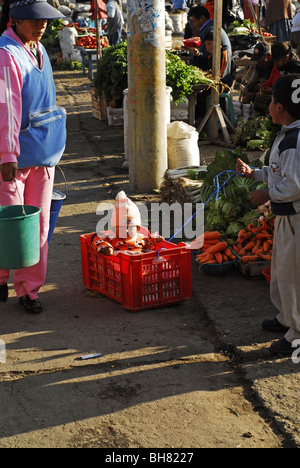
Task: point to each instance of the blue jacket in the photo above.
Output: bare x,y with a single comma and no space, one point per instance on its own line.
43,125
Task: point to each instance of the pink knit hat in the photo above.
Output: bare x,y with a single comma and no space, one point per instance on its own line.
125,212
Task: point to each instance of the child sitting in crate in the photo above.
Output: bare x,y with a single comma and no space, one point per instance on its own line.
125,235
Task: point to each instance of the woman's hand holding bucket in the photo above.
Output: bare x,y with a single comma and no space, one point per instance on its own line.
9,172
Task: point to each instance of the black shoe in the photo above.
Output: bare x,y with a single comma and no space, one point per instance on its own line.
274,325
282,347
33,306
3,293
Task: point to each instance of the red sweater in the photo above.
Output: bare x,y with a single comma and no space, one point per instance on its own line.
275,73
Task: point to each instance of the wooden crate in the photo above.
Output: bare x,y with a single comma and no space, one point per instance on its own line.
251,270
115,116
98,106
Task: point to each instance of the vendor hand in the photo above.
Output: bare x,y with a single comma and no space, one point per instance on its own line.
244,170
249,97
9,172
260,197
267,91
195,51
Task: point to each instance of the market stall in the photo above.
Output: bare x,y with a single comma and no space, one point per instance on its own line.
237,234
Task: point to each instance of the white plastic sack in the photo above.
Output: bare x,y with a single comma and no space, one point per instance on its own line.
183,149
177,23
242,111
67,38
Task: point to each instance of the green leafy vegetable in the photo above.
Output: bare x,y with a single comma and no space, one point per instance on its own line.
227,214
111,75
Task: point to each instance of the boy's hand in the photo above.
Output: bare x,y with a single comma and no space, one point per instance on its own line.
244,170
195,51
260,197
9,172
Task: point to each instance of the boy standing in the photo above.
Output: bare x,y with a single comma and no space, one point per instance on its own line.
283,179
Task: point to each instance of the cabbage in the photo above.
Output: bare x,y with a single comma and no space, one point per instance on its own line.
234,229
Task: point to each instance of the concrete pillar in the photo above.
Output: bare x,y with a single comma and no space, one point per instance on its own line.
147,132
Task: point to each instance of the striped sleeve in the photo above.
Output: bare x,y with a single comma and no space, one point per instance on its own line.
10,108
224,62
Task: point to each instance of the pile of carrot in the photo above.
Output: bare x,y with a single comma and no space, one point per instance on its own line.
214,250
256,241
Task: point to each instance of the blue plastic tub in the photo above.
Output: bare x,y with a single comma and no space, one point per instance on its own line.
56,204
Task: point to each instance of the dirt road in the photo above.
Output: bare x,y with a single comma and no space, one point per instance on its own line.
195,375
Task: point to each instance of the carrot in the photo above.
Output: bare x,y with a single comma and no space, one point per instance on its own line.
245,236
209,235
252,228
250,258
264,225
249,246
266,246
227,252
211,241
266,257
218,257
241,233
262,235
206,259
218,247
205,255
225,258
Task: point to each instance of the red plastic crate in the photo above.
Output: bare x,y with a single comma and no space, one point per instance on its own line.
136,282
191,43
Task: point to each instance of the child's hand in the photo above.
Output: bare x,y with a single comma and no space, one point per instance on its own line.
260,197
244,170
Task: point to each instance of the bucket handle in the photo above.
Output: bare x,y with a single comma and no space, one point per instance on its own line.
64,177
23,209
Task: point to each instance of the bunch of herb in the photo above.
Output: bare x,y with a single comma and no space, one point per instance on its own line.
111,74
182,77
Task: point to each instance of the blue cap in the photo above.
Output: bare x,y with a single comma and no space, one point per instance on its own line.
33,9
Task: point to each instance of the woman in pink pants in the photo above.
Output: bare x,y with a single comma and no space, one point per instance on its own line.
32,131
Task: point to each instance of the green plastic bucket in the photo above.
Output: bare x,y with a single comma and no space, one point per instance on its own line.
19,237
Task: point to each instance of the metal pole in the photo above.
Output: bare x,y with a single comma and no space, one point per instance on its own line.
215,100
147,123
